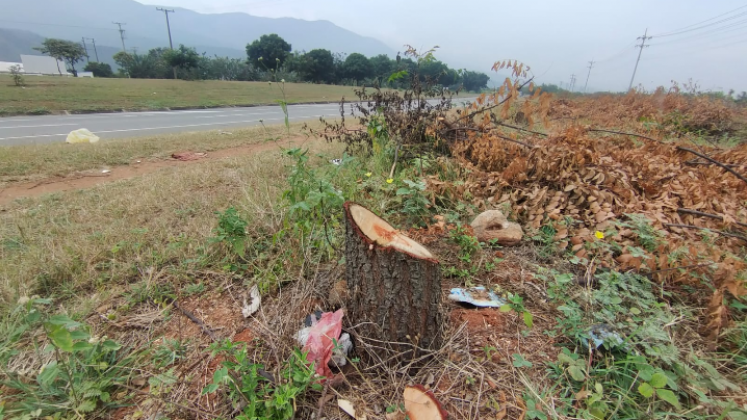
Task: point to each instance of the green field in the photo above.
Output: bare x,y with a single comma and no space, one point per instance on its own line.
45,95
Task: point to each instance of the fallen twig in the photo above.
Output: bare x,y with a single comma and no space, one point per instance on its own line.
712,216
720,232
714,161
205,329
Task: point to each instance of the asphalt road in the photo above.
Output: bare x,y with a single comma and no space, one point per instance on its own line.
55,128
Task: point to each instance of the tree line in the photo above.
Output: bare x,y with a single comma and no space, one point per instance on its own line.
270,58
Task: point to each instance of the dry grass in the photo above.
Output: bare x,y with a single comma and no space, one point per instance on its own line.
44,95
20,163
90,241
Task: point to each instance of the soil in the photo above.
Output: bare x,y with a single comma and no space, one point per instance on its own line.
90,178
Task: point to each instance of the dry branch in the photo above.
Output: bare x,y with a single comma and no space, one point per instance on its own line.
521,129
712,216
599,130
720,232
472,114
714,161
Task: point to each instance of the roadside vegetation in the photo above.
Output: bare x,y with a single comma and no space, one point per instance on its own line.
624,299
46,95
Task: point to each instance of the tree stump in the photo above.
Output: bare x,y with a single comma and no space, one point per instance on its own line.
394,283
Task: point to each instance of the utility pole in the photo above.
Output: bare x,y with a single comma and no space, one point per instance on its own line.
573,83
85,47
643,39
95,51
591,64
168,25
121,33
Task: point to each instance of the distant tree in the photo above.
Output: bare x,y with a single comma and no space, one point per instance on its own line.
99,69
474,81
182,58
742,98
268,51
144,66
69,51
317,66
357,67
381,67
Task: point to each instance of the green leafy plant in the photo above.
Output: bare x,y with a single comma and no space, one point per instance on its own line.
248,383
231,231
82,375
516,303
649,237
413,202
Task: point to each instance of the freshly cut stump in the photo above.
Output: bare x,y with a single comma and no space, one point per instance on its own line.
394,283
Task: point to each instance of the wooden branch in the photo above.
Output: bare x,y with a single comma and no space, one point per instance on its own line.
501,102
522,129
700,213
720,232
599,130
714,161
695,162
527,145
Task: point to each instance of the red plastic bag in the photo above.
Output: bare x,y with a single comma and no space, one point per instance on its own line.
319,345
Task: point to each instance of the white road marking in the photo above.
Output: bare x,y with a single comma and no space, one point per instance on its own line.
137,129
34,126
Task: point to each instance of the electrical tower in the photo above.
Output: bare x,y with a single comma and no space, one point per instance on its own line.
591,64
642,45
95,51
121,33
573,83
168,24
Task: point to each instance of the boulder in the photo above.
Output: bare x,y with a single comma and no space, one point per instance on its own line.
493,225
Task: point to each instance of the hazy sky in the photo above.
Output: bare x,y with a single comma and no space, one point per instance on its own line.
556,39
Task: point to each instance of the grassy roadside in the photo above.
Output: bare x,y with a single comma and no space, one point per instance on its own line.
20,163
44,95
113,259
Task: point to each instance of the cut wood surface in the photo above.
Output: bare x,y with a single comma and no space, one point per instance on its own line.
394,282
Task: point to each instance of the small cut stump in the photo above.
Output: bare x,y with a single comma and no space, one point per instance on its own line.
394,283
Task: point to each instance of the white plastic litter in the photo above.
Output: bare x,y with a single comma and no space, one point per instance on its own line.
256,299
82,135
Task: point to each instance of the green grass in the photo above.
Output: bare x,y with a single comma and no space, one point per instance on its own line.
44,95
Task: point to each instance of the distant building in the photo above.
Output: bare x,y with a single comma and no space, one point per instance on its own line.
6,65
42,64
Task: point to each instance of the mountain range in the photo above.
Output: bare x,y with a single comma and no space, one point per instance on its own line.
26,24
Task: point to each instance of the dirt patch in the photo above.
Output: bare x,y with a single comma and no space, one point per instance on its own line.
91,178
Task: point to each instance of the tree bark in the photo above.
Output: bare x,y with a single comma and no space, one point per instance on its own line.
394,283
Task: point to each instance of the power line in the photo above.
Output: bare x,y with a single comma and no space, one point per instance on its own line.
591,65
642,45
690,27
573,82
732,27
121,34
56,24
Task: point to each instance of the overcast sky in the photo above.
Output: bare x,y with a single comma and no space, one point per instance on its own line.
556,39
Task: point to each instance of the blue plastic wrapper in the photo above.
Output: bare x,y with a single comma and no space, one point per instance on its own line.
476,296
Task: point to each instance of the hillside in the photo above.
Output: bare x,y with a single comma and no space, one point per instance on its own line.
221,34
